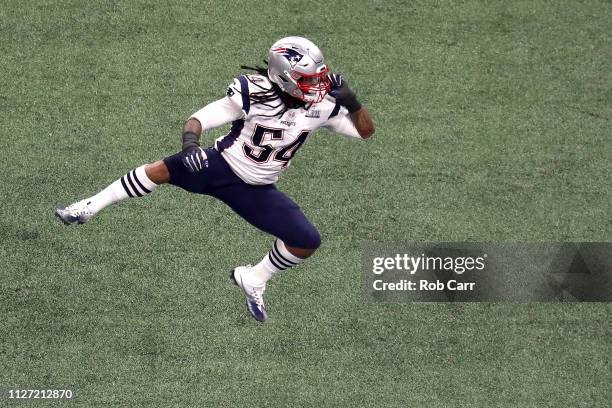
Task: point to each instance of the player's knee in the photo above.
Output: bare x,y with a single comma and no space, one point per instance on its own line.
311,239
306,240
157,172
304,244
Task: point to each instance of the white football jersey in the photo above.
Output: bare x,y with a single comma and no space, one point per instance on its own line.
261,143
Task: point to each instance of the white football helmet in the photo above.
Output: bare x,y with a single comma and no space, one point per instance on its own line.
297,66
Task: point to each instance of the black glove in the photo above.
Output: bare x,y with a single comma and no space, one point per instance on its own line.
193,156
194,159
343,94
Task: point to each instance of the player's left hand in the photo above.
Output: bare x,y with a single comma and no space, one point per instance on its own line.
344,95
194,159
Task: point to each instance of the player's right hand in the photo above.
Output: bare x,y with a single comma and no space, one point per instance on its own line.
194,159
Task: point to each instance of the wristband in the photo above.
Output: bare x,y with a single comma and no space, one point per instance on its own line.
190,139
352,105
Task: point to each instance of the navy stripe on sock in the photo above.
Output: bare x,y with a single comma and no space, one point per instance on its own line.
274,263
125,187
280,260
129,179
279,255
142,188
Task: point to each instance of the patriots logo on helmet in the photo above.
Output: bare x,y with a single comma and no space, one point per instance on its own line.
292,55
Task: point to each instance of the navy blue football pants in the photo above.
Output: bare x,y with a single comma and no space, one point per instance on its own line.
262,206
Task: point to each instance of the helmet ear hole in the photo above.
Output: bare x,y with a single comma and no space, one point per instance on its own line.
283,78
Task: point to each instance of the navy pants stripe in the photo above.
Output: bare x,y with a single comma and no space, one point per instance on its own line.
264,206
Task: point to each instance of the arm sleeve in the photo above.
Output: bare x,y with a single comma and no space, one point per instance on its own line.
218,113
342,123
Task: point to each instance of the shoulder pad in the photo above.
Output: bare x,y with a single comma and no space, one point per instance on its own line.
239,92
258,83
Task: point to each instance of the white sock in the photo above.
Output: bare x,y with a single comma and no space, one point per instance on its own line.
134,184
278,259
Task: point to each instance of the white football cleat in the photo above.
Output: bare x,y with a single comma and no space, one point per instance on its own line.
254,294
77,213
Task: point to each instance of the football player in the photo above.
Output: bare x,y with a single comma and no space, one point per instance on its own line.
272,114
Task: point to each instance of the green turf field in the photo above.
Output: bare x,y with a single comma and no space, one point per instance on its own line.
493,124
